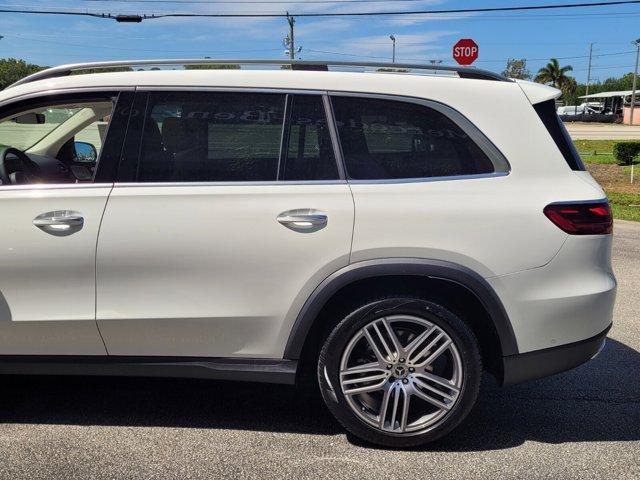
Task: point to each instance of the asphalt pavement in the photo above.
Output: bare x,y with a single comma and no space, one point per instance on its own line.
602,131
581,424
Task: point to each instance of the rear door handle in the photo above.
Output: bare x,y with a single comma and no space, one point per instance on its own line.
303,220
59,222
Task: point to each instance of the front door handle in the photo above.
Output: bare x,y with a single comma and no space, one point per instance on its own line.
303,220
60,222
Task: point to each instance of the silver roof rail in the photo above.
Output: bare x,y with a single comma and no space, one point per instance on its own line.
65,70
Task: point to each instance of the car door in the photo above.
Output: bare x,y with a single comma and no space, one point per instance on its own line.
50,229
234,211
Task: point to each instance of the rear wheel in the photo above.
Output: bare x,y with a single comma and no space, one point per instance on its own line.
400,371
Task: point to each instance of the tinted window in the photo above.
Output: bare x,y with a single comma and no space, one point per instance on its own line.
215,137
384,139
310,152
547,113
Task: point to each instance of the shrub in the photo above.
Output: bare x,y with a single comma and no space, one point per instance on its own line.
625,152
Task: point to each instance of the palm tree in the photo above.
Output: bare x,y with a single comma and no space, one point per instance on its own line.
553,73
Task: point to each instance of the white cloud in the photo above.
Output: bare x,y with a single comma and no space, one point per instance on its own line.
409,47
407,20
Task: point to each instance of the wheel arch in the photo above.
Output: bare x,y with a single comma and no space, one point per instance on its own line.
454,275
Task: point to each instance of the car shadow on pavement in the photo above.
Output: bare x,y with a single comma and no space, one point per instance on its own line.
599,401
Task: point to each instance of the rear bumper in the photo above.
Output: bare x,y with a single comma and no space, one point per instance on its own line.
566,301
542,363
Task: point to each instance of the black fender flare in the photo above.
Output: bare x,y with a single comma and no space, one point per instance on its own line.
437,269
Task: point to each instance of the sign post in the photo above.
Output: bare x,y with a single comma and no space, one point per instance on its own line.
465,51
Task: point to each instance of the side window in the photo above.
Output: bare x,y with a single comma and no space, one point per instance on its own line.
211,137
57,140
385,139
309,155
547,113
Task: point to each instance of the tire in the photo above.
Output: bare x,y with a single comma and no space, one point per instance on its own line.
440,392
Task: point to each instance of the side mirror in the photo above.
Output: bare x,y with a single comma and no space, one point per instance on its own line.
30,118
85,152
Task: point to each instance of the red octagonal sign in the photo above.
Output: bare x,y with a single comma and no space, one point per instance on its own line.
465,51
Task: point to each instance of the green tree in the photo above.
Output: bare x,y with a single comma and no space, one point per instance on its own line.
553,73
517,68
12,70
611,84
568,88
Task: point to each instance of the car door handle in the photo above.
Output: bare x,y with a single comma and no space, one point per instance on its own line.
303,220
60,222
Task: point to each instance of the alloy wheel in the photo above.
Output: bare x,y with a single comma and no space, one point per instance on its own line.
401,374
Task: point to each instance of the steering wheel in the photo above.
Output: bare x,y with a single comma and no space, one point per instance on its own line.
27,172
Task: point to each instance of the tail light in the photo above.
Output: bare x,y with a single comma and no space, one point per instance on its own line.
581,218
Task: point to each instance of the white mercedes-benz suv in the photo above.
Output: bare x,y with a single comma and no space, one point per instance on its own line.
392,230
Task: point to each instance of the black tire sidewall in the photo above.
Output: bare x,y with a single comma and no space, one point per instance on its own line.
338,339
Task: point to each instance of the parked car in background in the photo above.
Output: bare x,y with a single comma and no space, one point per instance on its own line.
591,107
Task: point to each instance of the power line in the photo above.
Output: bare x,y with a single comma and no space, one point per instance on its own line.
409,15
248,2
139,18
27,37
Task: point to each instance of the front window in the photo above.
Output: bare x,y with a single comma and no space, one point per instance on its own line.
27,129
54,143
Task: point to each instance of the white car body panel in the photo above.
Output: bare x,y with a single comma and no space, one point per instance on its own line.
208,270
566,301
47,304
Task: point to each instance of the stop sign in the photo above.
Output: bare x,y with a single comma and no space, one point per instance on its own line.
465,51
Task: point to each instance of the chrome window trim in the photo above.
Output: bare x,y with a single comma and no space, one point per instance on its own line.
485,144
448,178
269,183
36,187
458,118
230,89
501,165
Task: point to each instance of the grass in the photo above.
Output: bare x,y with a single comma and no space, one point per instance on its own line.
600,146
626,170
621,205
596,151
601,152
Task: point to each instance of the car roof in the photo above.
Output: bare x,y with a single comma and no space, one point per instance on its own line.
268,79
459,88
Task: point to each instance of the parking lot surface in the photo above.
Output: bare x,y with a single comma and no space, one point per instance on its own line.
580,424
602,131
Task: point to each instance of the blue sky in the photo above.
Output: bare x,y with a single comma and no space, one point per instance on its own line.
536,35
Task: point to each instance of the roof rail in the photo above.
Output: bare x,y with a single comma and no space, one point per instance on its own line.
65,70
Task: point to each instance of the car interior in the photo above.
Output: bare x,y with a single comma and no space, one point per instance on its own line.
53,144
386,139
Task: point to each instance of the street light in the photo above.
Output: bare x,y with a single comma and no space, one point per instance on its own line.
393,57
635,75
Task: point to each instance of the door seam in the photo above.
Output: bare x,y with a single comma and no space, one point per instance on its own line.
353,224
95,271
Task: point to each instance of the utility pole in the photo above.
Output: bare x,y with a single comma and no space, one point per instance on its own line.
289,41
589,71
292,43
393,55
635,76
